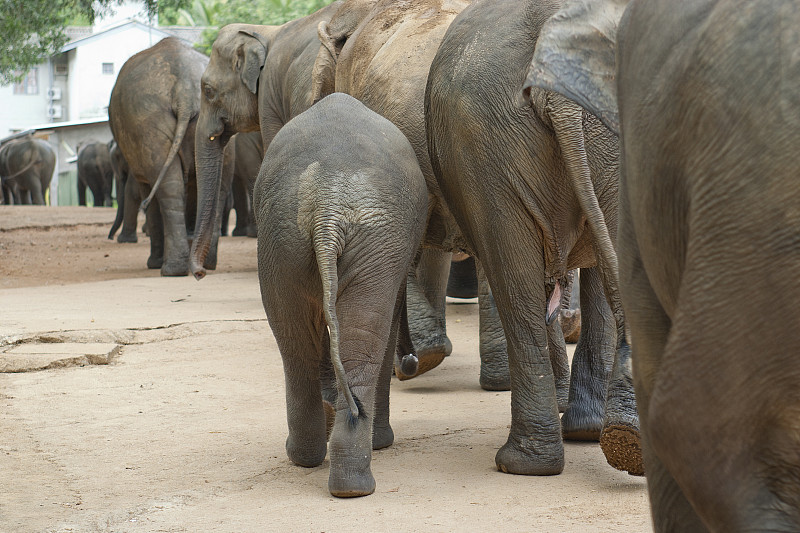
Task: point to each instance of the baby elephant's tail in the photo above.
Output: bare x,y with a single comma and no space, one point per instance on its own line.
325,248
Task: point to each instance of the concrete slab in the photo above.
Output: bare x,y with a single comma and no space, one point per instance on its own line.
30,357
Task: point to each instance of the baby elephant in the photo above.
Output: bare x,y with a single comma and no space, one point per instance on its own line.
341,205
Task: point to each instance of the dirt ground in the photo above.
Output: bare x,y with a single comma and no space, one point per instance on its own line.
135,403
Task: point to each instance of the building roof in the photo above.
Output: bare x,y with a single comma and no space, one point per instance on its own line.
113,30
55,126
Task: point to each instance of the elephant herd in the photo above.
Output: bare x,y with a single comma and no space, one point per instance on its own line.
650,144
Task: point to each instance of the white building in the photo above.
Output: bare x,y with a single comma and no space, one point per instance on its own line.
73,88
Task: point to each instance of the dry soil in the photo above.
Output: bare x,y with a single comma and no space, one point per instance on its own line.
135,403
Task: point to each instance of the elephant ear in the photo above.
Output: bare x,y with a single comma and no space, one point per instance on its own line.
250,58
576,56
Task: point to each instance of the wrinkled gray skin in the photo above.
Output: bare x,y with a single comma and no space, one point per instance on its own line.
96,172
707,101
533,184
257,79
152,112
341,205
380,52
26,169
128,198
247,152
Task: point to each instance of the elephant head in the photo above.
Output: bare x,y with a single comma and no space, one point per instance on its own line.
229,104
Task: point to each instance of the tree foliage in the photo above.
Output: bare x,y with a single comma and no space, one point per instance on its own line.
218,13
32,30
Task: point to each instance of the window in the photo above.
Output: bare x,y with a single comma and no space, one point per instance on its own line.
108,68
29,84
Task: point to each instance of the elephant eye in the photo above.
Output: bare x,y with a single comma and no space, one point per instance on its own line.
209,92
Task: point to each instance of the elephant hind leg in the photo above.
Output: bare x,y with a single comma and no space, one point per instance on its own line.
156,225
170,194
366,320
591,364
650,326
300,338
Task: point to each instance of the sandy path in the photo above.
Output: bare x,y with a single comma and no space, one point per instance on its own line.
184,430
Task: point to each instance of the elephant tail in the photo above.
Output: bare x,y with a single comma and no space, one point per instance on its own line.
568,127
326,248
177,140
34,160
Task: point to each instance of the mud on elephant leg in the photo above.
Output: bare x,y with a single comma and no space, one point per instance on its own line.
425,292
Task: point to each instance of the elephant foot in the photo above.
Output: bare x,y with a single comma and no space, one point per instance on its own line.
128,237
622,447
382,437
545,459
570,320
578,424
427,360
351,485
620,439
350,453
169,269
493,381
154,263
310,455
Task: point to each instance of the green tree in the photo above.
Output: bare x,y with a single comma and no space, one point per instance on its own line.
32,30
218,13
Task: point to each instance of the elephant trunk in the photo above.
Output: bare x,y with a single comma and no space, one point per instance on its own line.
209,153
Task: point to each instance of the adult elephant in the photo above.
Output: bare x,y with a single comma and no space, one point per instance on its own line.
153,114
533,188
26,169
95,172
705,96
257,79
380,53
